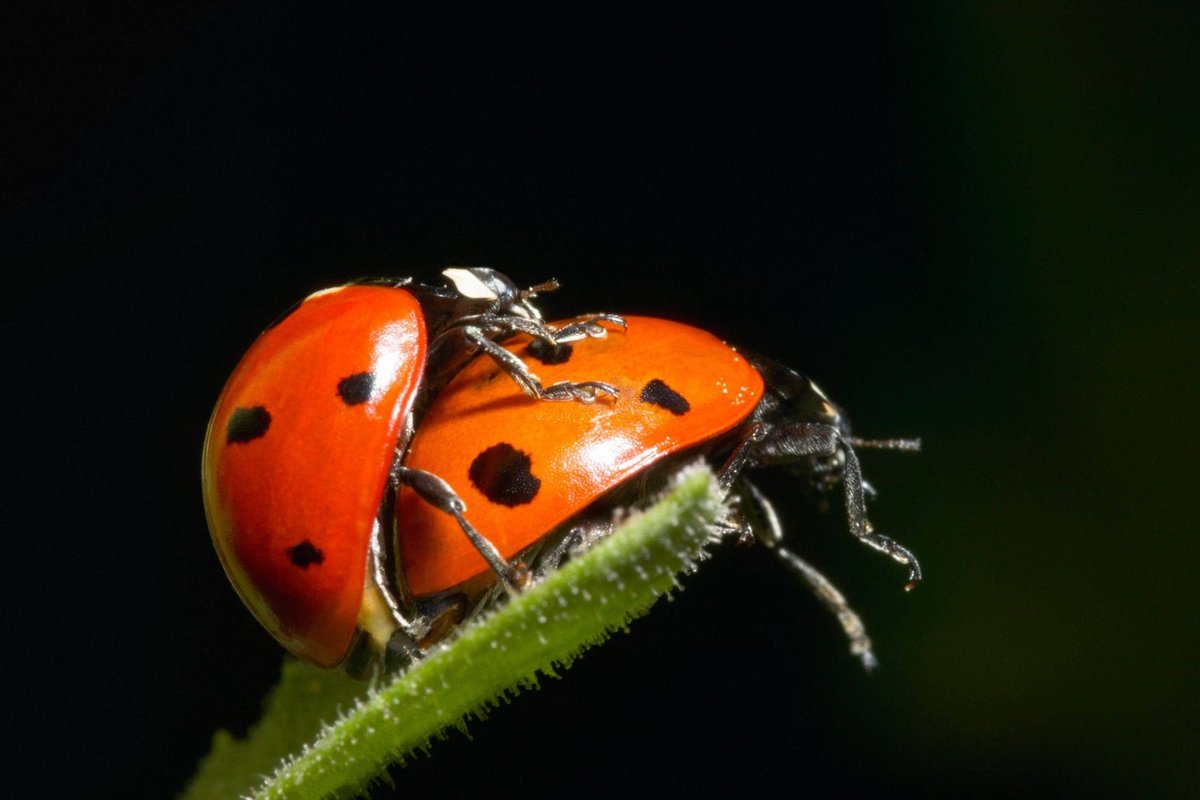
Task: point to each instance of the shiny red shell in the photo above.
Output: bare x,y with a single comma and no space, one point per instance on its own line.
297,459
524,466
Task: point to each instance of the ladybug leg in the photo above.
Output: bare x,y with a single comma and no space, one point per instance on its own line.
835,601
856,508
743,452
407,631
585,392
552,559
756,514
500,326
752,517
903,445
440,495
549,561
589,328
579,538
764,443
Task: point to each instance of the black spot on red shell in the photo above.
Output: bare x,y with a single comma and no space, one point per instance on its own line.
247,424
658,393
356,389
548,352
305,555
502,473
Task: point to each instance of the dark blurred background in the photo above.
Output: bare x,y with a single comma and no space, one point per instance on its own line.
976,225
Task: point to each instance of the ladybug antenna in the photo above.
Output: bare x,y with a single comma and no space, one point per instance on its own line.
551,285
524,296
905,445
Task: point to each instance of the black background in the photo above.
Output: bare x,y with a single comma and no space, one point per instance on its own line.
979,227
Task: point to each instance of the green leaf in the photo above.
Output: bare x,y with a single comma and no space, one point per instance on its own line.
541,631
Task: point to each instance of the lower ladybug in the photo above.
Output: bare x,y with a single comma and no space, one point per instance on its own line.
544,479
303,443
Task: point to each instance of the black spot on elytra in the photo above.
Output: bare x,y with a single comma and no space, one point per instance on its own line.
247,424
305,555
355,389
502,474
549,353
659,394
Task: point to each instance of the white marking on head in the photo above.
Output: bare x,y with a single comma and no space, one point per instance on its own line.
467,284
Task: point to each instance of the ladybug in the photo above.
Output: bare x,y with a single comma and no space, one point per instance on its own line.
544,480
302,446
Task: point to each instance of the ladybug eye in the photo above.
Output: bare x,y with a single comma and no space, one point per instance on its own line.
247,424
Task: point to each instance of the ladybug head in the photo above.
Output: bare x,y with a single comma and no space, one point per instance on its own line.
794,405
794,399
498,290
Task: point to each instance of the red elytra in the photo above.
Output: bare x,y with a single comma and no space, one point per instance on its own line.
297,459
524,468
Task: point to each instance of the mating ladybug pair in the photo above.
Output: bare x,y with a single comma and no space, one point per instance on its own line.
385,461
